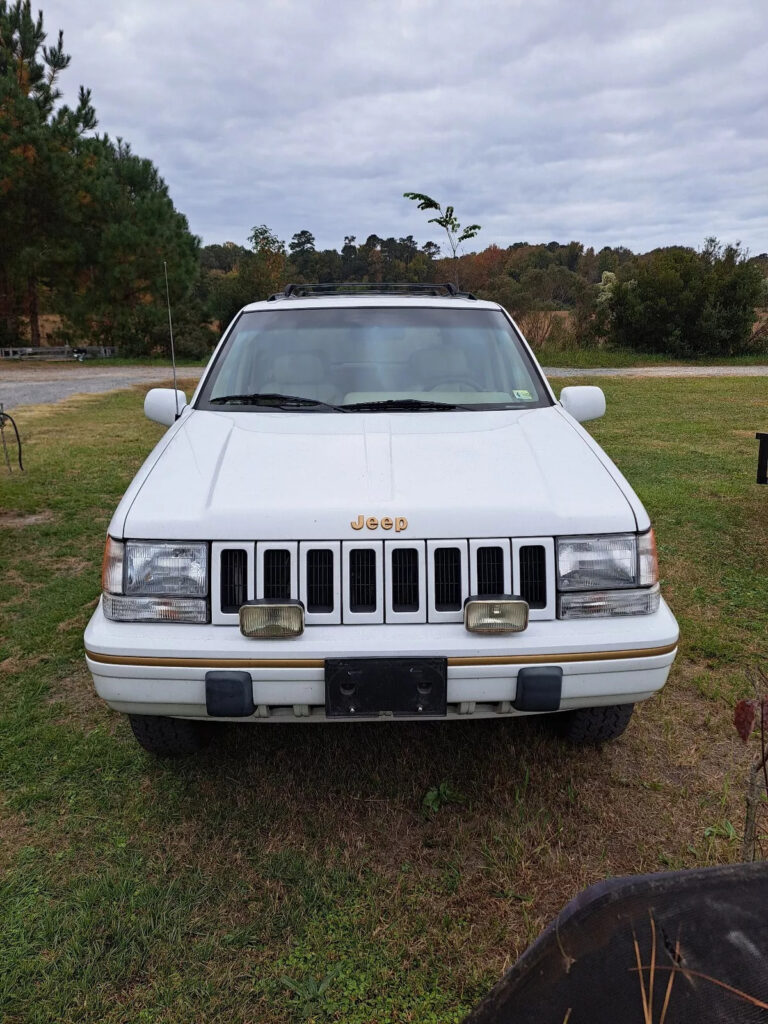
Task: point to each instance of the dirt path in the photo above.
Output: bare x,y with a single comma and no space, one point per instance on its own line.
41,384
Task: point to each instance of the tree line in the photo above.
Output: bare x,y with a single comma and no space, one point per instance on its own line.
675,300
87,228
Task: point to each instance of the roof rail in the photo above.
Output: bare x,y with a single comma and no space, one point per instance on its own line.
302,291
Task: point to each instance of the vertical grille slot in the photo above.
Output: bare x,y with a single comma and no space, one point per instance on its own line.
533,575
320,581
405,580
447,579
490,571
233,590
362,580
277,574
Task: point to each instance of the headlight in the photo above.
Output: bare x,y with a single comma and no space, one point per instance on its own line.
597,563
614,574
174,570
606,563
145,581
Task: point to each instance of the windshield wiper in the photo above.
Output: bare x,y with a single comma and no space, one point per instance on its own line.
274,400
404,404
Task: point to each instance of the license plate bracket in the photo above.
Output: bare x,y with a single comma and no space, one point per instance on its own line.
386,687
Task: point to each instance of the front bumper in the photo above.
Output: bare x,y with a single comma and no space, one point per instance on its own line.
159,668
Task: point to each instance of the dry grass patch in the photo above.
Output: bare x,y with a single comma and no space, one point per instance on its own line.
71,565
14,664
14,521
75,696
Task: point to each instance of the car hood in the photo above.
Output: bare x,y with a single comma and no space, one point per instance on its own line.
280,476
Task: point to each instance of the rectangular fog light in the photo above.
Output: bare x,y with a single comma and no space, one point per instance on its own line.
272,620
495,614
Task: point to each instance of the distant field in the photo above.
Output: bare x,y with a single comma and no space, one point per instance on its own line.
229,887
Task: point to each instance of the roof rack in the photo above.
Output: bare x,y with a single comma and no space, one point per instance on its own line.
302,291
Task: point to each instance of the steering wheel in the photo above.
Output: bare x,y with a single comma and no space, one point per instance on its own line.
456,384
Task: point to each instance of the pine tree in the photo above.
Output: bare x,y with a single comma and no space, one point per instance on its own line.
128,229
39,170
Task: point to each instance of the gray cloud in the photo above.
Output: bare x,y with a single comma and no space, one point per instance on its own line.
640,125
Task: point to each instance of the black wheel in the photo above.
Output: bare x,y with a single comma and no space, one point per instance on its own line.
594,725
170,737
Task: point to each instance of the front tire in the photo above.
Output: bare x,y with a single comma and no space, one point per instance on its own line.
170,737
594,725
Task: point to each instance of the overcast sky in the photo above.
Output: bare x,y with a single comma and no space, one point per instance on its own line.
639,124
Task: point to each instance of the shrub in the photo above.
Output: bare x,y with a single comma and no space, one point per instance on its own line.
687,304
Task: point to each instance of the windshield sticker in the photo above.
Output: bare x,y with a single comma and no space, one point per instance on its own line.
523,396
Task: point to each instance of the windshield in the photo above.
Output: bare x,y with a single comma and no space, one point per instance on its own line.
369,358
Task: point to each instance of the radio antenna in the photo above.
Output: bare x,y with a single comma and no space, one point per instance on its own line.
170,330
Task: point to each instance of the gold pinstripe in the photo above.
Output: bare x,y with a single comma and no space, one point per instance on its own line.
505,659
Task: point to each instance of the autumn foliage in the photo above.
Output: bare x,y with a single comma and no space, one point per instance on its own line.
751,716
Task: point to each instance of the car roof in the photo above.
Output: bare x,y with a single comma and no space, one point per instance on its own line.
376,300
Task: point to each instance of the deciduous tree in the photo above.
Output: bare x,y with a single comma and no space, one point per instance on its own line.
258,274
447,220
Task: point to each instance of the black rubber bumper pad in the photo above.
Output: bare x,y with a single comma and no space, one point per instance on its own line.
229,694
539,688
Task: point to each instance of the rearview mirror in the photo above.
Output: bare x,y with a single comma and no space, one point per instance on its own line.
160,405
583,403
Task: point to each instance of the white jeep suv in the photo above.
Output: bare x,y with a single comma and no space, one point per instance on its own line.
374,507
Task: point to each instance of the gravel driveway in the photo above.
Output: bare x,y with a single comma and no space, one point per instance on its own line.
42,385
38,384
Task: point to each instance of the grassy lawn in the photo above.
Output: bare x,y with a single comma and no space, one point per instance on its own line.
228,888
589,358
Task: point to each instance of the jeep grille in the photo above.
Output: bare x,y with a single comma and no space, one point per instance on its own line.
396,581
320,595
277,574
233,579
405,580
533,575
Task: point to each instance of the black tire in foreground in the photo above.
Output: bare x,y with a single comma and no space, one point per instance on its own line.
594,725
170,737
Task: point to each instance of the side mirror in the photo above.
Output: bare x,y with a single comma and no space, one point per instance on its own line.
160,405
583,403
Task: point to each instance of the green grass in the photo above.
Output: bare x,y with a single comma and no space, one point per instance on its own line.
347,873
599,358
148,361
